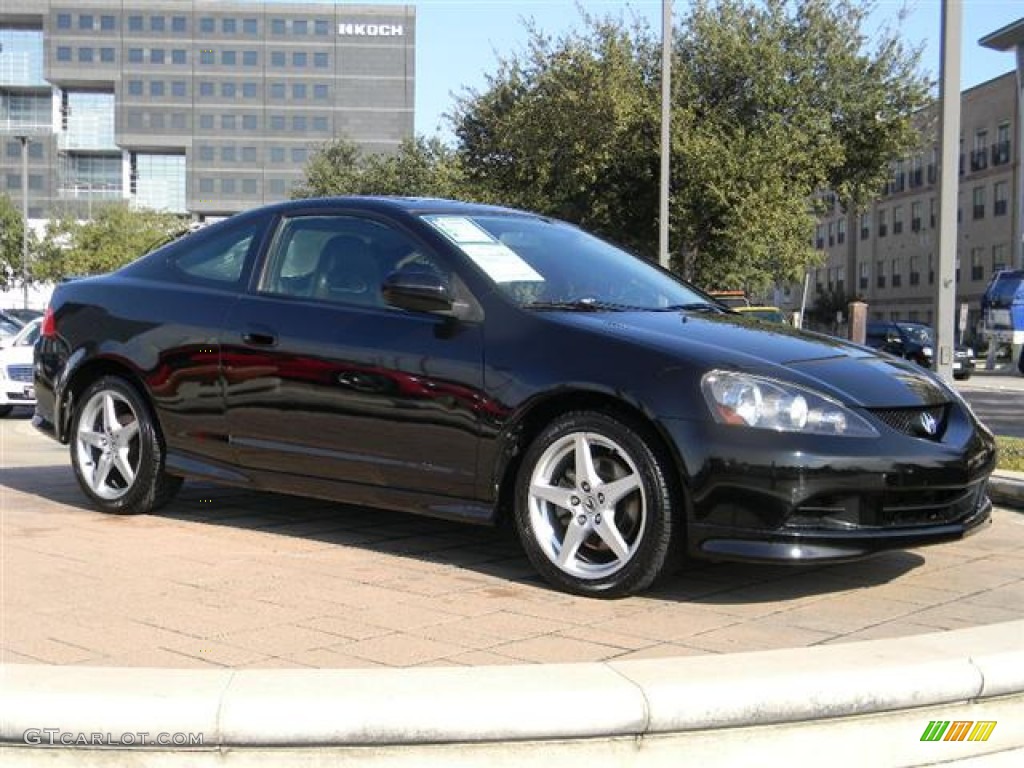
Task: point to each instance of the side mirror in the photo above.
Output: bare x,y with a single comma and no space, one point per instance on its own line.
418,289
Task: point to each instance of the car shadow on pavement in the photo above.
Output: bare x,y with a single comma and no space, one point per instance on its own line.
493,552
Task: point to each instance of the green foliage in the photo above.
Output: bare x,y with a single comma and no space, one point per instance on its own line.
11,228
420,167
1011,453
115,236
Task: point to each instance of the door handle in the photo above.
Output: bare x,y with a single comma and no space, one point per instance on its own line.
259,338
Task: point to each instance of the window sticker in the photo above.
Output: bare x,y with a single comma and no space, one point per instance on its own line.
501,263
461,230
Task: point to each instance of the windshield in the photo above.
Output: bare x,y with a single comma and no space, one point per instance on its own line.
1003,289
551,265
919,334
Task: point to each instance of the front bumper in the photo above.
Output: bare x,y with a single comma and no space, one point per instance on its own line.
17,393
755,495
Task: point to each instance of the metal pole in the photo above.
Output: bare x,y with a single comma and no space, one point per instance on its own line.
803,299
949,179
24,217
666,117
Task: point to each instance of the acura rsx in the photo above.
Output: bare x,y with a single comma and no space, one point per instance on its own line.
485,364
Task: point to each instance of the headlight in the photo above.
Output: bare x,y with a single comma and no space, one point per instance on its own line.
752,401
926,351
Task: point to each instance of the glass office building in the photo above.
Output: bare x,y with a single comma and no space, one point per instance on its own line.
208,108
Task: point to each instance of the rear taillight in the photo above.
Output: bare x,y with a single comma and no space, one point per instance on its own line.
49,329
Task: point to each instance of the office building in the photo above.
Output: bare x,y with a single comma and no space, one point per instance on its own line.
203,107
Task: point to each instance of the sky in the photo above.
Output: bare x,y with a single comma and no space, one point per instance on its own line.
458,42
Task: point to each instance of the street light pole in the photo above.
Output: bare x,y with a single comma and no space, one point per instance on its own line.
666,116
24,217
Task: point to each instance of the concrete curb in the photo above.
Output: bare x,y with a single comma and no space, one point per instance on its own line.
588,711
1007,489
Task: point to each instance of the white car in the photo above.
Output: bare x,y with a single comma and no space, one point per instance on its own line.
16,368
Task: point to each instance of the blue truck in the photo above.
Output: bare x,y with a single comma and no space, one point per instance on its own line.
1002,312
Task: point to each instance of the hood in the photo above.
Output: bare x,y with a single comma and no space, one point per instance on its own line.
849,372
16,355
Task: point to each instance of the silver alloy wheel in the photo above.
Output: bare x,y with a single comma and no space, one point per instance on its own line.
108,444
587,505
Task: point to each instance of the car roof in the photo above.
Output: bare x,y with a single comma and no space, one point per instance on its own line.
413,205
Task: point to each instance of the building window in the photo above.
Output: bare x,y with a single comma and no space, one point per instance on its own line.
864,276
320,60
156,120
108,23
915,272
819,237
228,58
156,56
250,90
300,27
14,179
277,154
229,26
320,91
320,126
277,58
63,53
35,181
977,268
250,59
883,227
277,90
840,225
880,273
915,216
85,21
179,24
227,154
106,55
277,26
978,199
250,26
248,154
1001,149
299,91
249,187
206,89
250,123
207,26
156,23
135,23
227,90
156,88
999,207
865,226
831,234
299,155
206,122
179,121
206,154
178,56
321,27
85,55
206,186
227,186
299,123
227,122
931,212
207,57
897,223
999,260
931,268
134,87
299,59
63,21
179,89
897,277
979,156
277,186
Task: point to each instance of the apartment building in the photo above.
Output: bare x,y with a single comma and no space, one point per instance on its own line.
886,255
207,108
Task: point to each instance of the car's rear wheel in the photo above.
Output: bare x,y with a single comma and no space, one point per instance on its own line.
594,507
116,451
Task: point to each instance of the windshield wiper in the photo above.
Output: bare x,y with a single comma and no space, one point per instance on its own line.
579,305
697,306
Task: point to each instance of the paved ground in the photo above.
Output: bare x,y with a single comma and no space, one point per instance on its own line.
998,399
229,578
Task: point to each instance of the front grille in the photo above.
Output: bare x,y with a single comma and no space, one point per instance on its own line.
912,421
20,373
890,509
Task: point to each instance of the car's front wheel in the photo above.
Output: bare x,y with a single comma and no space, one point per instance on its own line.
116,451
595,510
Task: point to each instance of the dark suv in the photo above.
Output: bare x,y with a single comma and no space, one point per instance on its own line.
915,341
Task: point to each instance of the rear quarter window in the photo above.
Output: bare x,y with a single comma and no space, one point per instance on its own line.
220,256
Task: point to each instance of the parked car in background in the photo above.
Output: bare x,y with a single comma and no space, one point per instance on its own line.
23,315
731,299
768,314
915,341
9,326
479,363
16,387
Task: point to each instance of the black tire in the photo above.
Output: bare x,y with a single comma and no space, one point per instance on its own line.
118,466
552,504
961,376
5,410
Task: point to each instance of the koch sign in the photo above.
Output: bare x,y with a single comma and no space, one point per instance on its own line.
371,30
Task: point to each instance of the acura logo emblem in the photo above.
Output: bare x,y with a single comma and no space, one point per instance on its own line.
928,424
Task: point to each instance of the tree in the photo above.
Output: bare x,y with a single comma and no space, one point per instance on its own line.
11,228
773,101
115,236
420,167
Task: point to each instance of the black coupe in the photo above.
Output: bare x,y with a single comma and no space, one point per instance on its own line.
480,364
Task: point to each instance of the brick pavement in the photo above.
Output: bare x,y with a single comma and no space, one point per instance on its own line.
224,577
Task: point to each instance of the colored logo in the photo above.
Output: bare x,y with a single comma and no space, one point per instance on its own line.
929,424
958,730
